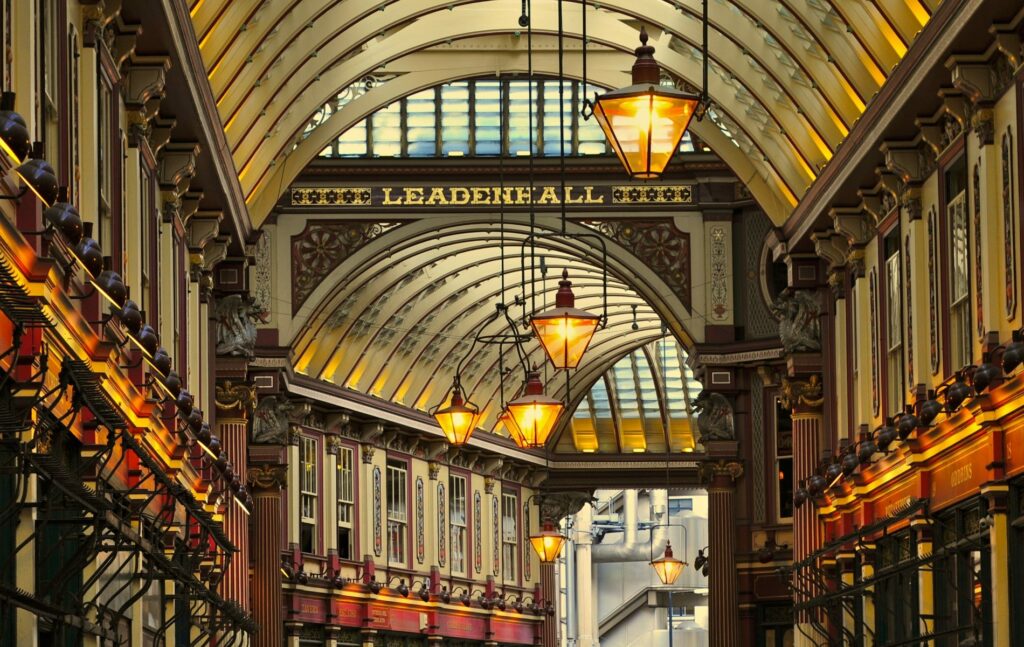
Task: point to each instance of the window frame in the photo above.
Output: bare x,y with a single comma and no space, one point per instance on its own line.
393,497
894,365
309,474
465,526
778,460
510,543
353,538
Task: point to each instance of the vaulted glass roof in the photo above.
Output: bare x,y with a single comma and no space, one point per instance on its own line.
640,404
474,118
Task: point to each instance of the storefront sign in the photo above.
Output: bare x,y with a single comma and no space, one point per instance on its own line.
506,631
460,626
896,498
492,196
1013,448
960,475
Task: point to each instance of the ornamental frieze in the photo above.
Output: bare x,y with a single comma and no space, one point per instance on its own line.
511,195
322,246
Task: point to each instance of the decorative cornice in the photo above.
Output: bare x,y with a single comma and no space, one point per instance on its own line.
710,472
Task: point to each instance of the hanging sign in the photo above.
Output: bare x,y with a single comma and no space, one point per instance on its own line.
512,196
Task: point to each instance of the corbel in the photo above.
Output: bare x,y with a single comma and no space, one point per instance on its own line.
371,432
858,227
432,449
202,228
338,422
972,75
831,246
160,133
490,465
121,38
905,159
96,15
176,166
188,205
145,81
1007,38
939,130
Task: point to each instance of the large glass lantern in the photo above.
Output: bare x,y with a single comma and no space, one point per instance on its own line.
547,543
458,418
565,331
531,417
645,122
667,566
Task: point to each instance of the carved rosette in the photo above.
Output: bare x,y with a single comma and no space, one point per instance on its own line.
235,399
659,245
321,247
800,394
267,477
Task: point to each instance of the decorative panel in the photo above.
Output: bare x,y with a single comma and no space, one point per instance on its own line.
719,245
979,307
324,245
873,305
757,446
495,536
420,532
659,245
1009,226
478,549
933,296
527,569
442,526
377,532
909,309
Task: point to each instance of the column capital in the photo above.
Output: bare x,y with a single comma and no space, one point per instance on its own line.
268,477
723,473
234,399
803,395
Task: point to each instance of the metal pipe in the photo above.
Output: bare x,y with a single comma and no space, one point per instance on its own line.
630,549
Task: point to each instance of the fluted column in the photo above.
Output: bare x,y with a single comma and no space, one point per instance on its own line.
267,483
804,398
235,403
723,601
549,586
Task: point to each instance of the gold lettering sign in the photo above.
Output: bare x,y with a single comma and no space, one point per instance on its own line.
491,196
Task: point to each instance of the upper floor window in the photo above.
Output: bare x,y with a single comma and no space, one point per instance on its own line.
509,536
893,324
307,493
346,502
960,342
784,460
481,117
457,510
398,511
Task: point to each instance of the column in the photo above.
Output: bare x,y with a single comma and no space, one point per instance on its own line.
847,577
804,397
926,596
267,483
234,403
723,601
999,536
549,588
867,573
585,623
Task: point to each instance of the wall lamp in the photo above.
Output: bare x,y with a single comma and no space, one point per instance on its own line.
700,562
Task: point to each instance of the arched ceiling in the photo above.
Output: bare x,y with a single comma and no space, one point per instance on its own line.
396,318
788,78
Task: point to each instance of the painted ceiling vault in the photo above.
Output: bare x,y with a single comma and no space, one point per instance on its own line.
788,78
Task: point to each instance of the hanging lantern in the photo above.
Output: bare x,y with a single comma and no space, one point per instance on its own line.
458,419
548,543
645,122
531,417
565,331
668,567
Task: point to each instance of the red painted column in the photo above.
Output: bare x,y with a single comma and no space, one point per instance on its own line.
723,599
234,406
549,588
804,398
267,483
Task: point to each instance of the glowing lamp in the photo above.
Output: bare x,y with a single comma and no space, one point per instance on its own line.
668,567
565,331
645,122
458,419
547,543
531,418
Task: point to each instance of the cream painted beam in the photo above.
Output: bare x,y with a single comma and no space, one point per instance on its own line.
860,70
874,30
